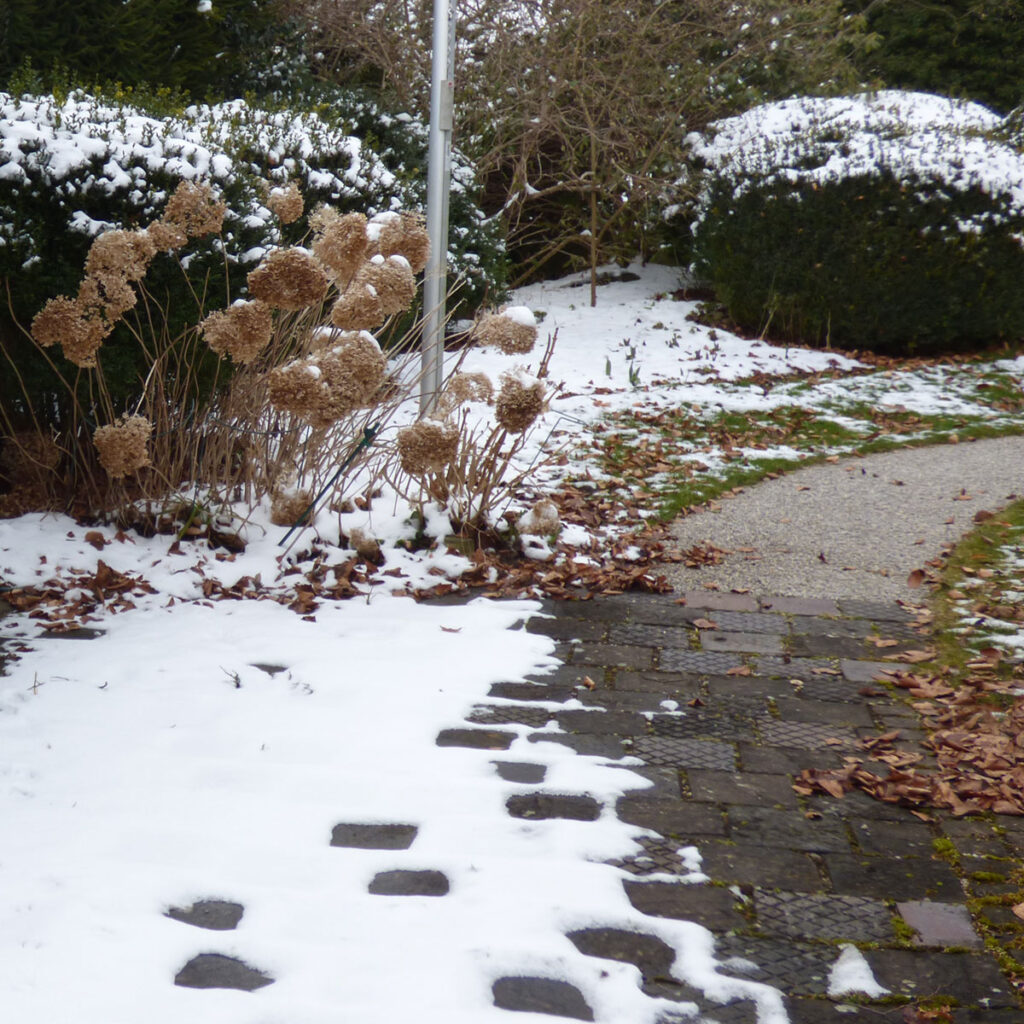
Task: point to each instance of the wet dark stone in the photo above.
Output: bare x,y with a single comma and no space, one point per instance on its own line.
650,954
553,805
373,837
213,970
520,771
217,915
541,995
713,907
409,883
476,739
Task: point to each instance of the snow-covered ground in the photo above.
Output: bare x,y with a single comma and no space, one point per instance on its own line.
205,749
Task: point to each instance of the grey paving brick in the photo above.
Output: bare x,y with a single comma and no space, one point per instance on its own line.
625,723
646,635
715,601
745,643
750,622
699,722
619,655
809,735
358,836
505,714
752,866
704,662
970,977
786,829
940,924
478,739
823,916
684,753
801,605
539,806
798,968
671,817
713,907
793,668
214,970
541,995
402,882
741,787
656,856
215,915
867,671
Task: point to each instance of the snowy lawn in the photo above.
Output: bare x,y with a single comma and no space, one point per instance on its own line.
208,742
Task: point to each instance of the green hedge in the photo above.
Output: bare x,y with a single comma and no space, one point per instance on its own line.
892,222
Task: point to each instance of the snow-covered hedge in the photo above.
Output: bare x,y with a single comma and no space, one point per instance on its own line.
890,221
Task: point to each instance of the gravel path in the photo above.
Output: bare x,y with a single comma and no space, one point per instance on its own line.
855,528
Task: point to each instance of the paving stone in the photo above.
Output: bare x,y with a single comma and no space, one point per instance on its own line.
741,787
684,753
553,805
590,745
477,739
532,691
742,1011
792,668
620,655
409,883
670,685
829,647
751,687
800,605
561,628
971,978
877,611
797,968
625,723
671,817
856,806
505,714
832,688
700,722
746,643
665,782
710,906
797,915
646,635
708,662
710,599
657,856
894,839
541,995
520,771
785,760
569,676
651,955
867,671
750,622
788,830
809,735
213,970
602,696
894,878
217,915
373,837
662,610
855,628
750,865
806,709
939,924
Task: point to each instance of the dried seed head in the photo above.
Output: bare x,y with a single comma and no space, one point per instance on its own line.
289,279
427,446
195,209
285,202
124,254
242,331
359,309
520,401
542,520
288,507
401,234
109,297
513,330
466,387
166,236
365,546
393,281
122,445
339,242
63,321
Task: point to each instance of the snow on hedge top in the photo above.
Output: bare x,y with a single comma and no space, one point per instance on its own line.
817,141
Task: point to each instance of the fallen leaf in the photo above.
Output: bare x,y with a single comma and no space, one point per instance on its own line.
740,670
915,579
589,683
96,539
705,624
451,629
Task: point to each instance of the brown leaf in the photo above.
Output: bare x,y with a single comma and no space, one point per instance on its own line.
1018,910
705,624
96,539
589,683
915,579
451,629
740,670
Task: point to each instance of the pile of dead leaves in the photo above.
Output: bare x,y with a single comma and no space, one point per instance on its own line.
976,736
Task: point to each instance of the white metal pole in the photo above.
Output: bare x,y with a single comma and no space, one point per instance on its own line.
442,101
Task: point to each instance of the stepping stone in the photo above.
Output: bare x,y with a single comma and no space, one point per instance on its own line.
553,805
541,995
212,970
477,739
521,771
409,883
217,915
650,954
373,837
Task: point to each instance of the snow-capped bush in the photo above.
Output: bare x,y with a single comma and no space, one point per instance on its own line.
890,221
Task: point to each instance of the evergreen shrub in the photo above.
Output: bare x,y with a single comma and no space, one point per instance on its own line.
889,221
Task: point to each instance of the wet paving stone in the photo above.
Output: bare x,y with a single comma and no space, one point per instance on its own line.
894,878
476,739
494,714
940,924
703,723
373,837
868,671
792,870
876,611
533,691
657,856
583,743
710,906
216,915
808,735
894,838
541,995
798,968
835,918
618,655
801,606
213,970
520,771
652,636
651,955
671,817
684,753
750,622
744,643
792,668
970,978
667,684
705,662
829,647
741,788
624,723
541,806
409,883
789,830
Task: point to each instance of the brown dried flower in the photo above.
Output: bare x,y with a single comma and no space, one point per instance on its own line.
195,209
242,331
166,236
289,279
365,546
63,321
359,309
512,330
466,387
340,242
122,445
285,202
124,254
288,507
401,234
519,403
427,446
542,520
110,297
393,281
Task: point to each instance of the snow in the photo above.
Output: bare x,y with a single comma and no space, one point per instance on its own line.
851,974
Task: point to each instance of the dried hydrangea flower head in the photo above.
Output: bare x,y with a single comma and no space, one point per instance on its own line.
542,520
326,387
242,331
392,279
339,242
520,401
285,202
108,297
513,330
289,279
288,506
466,387
427,446
166,236
358,309
400,234
120,254
122,445
195,209
63,321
